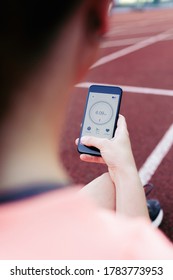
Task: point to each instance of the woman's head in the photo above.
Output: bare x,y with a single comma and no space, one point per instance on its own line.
28,28
45,48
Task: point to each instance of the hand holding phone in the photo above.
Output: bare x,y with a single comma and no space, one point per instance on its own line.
100,116
115,153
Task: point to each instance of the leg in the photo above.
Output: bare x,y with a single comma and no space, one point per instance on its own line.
102,191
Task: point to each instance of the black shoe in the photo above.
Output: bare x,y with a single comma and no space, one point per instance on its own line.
154,208
155,212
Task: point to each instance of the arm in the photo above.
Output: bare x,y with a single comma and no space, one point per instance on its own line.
117,154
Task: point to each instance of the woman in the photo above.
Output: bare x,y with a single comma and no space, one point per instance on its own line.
46,49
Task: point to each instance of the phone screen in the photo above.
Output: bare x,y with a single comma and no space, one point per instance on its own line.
100,115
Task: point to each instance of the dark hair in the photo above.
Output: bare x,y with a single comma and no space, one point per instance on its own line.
26,29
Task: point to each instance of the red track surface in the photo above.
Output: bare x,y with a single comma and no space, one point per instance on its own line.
149,116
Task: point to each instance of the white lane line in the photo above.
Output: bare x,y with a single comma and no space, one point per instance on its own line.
141,90
125,42
153,161
122,42
131,30
130,49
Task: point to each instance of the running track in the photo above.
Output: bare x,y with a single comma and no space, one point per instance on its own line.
137,54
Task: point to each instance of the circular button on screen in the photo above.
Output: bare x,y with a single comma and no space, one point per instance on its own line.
101,112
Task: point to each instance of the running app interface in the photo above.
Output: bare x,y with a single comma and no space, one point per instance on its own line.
100,115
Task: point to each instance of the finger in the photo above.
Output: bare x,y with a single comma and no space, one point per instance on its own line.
121,121
121,127
94,141
77,141
92,159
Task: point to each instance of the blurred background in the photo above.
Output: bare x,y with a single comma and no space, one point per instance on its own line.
142,3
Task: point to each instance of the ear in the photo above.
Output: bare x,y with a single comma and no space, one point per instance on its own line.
93,24
97,20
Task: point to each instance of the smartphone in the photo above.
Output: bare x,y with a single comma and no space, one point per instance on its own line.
100,115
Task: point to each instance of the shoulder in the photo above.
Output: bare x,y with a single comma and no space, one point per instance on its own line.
64,225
